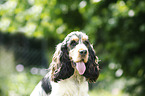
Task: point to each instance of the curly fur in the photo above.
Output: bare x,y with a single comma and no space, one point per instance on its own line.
65,70
92,71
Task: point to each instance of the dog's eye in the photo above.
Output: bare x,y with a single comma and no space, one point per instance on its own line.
73,43
86,43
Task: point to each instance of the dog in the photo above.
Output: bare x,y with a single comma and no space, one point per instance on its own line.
73,65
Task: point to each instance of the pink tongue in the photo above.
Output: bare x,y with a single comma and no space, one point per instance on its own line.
81,67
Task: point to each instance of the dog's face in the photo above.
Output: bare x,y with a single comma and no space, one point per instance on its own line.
78,48
78,45
75,53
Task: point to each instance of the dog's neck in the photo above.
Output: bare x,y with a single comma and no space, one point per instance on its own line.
76,85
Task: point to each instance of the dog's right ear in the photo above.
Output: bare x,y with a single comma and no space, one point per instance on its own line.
92,67
61,65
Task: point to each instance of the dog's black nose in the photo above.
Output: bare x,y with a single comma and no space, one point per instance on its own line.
83,52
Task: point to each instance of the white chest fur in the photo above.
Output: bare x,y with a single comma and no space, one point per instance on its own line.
76,85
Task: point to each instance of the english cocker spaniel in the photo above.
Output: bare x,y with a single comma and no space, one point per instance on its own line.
74,64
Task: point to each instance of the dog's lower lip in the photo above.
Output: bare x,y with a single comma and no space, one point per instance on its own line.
80,61
74,63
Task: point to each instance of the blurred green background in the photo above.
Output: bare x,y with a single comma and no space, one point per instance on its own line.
31,29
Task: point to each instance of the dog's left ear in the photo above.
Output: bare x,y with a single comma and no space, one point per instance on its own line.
92,68
63,68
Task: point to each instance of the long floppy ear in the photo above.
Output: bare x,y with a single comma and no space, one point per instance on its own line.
92,69
61,67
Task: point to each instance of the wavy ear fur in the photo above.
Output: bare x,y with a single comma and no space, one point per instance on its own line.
92,71
61,67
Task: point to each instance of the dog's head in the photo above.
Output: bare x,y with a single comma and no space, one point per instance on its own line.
74,53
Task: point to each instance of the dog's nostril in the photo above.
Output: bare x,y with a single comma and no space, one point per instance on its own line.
83,52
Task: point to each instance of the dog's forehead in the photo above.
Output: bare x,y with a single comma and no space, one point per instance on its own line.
77,36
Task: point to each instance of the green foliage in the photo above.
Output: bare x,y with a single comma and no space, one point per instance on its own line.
116,28
18,84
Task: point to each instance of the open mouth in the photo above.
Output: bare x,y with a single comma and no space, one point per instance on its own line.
80,66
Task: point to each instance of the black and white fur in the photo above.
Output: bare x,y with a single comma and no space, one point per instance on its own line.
64,79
